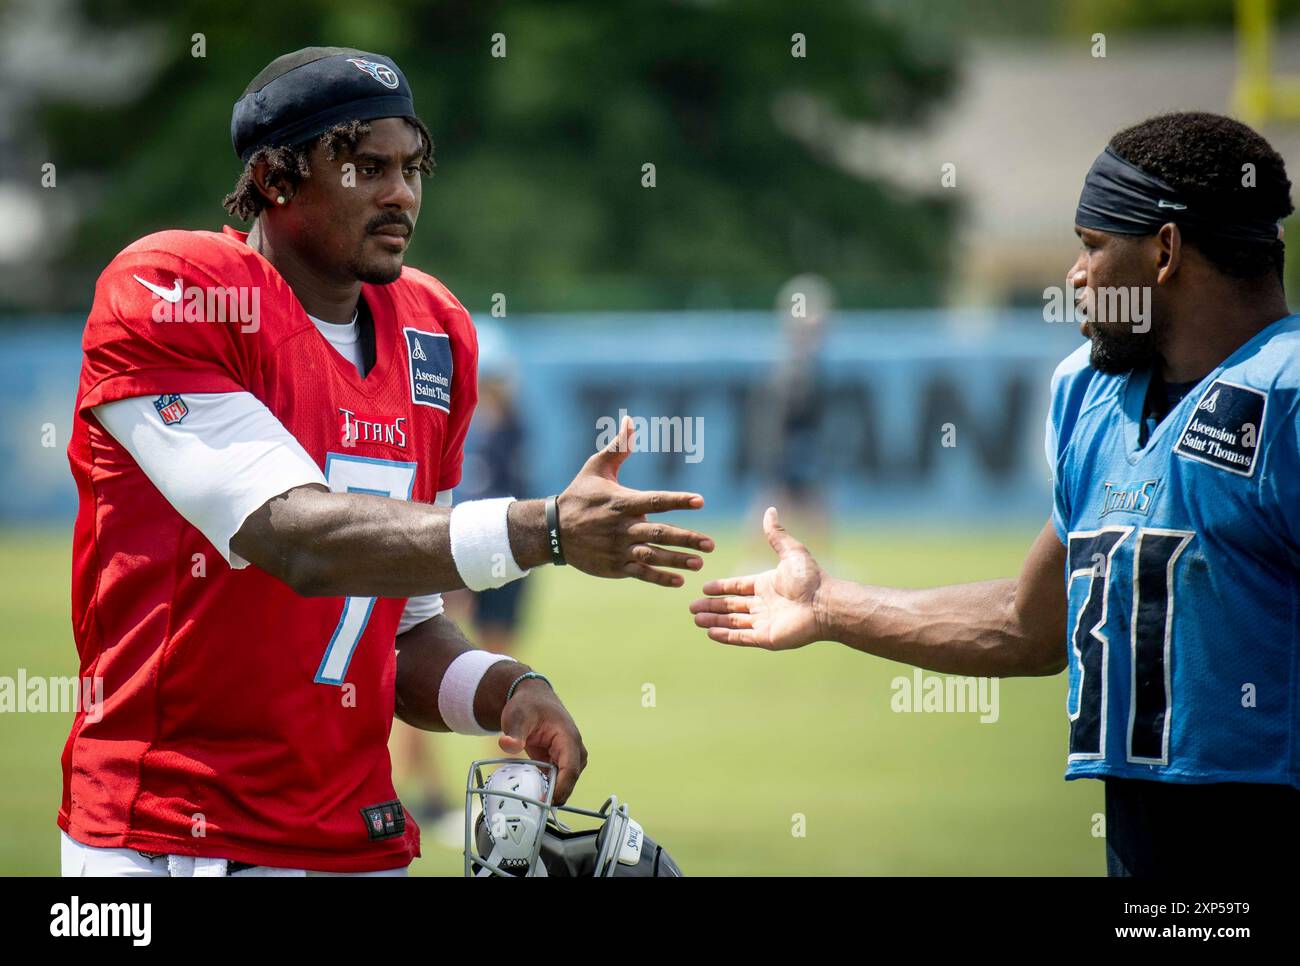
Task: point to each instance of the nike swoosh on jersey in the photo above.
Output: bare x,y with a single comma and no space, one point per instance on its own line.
172,294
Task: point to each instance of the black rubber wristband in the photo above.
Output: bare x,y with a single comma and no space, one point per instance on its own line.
553,530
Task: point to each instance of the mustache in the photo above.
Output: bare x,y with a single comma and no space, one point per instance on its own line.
383,221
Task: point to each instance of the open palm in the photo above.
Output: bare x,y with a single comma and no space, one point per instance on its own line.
772,610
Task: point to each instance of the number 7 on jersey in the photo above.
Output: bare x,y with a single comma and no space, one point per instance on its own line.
358,474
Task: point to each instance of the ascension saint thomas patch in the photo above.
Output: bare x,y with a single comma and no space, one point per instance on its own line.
1224,429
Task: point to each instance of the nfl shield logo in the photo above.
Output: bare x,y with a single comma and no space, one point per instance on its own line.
171,408
384,821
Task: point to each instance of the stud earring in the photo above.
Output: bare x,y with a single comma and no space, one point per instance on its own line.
279,199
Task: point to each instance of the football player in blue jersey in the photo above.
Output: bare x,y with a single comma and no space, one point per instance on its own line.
1167,580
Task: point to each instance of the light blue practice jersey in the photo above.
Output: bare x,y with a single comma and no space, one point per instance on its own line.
1183,568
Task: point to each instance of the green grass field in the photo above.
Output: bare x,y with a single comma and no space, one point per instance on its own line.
737,744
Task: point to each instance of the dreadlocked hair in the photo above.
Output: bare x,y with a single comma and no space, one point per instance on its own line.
289,165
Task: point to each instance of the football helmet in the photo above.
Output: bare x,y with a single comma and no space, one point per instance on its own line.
513,829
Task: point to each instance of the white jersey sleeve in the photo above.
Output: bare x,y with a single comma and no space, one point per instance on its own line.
225,459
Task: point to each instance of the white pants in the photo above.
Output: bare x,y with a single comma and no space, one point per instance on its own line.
89,860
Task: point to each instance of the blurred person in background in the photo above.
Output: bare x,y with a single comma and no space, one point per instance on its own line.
495,466
790,411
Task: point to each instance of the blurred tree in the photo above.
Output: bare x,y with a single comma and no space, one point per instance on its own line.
538,192
1015,19
1162,15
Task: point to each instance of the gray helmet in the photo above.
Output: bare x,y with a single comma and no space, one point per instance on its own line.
511,828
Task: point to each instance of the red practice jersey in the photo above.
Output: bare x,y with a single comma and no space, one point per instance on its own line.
240,720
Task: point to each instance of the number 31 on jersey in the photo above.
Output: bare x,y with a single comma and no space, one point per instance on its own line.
1154,555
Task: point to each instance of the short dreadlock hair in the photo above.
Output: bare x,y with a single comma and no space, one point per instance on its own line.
289,163
1204,156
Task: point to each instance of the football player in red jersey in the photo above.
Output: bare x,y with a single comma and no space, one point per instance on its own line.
268,430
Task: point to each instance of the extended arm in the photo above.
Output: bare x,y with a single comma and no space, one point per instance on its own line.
995,628
357,544
234,472
325,544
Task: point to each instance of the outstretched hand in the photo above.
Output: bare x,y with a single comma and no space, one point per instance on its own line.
604,529
774,610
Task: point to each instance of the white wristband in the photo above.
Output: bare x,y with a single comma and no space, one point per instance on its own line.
459,685
480,544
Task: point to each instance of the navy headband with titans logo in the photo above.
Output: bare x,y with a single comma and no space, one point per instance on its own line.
1120,197
303,94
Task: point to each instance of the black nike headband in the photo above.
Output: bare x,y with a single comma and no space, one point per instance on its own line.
1120,197
303,94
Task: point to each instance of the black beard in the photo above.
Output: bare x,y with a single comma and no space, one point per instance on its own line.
1126,352
373,274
